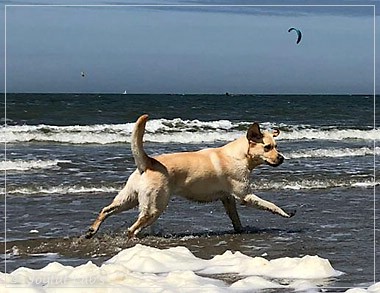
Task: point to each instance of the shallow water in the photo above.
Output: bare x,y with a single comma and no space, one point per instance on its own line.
342,238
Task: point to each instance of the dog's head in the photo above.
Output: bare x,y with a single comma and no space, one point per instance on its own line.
262,147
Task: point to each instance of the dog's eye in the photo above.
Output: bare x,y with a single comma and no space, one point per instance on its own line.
268,147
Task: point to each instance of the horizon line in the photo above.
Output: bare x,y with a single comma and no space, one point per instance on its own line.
195,93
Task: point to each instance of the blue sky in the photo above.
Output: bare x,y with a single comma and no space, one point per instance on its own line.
193,49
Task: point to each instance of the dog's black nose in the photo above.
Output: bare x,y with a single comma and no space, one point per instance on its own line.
279,160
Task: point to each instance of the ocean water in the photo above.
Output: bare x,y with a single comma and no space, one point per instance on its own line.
68,155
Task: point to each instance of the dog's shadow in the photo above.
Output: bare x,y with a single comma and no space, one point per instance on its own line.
248,230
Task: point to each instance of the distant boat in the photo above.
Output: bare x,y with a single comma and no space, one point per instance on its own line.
125,92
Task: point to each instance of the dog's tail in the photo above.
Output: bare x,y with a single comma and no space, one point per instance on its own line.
142,160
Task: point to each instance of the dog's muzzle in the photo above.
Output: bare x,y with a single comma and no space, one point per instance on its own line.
279,161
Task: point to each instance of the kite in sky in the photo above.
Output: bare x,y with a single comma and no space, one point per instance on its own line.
299,34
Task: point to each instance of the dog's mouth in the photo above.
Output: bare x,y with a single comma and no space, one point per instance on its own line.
278,162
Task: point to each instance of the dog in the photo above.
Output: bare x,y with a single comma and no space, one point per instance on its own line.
204,176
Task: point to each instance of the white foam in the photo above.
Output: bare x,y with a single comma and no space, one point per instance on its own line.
333,153
59,190
313,184
24,165
147,269
331,134
161,125
375,288
193,137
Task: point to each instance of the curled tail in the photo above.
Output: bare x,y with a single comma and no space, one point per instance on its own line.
142,160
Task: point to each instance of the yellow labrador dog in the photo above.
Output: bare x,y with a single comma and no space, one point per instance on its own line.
203,176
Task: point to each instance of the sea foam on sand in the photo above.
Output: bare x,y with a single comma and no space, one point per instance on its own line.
147,269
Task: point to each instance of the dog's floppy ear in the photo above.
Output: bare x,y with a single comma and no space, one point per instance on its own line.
276,132
254,134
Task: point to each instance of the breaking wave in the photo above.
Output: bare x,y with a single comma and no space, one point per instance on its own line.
315,184
23,165
172,131
292,185
334,153
39,190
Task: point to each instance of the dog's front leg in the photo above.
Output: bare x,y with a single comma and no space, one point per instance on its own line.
229,204
255,201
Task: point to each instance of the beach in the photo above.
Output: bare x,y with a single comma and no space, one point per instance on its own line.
67,156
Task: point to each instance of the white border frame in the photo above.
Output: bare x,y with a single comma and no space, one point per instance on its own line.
193,5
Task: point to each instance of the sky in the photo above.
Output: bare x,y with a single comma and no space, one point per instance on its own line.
188,49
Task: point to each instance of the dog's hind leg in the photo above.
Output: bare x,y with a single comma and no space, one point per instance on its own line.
125,200
143,221
255,201
152,203
229,204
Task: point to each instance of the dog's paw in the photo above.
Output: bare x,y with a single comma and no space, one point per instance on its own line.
291,213
240,230
90,233
133,240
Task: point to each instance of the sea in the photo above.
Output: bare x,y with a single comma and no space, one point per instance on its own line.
67,155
